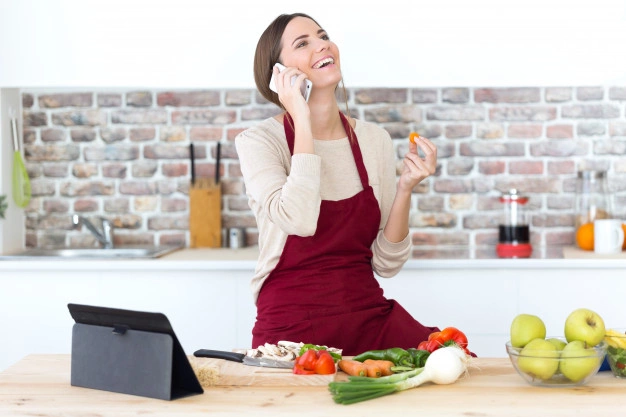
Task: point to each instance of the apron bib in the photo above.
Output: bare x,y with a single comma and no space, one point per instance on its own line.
323,289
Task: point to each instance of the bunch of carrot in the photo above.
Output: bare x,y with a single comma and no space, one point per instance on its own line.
369,367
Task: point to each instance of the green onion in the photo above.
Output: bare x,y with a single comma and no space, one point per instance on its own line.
443,366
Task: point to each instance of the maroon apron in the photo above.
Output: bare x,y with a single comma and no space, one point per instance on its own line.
323,289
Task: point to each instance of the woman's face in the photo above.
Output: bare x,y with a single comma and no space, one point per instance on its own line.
307,47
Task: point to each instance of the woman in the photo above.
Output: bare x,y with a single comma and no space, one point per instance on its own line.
329,210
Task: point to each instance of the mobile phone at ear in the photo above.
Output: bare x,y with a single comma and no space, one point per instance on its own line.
305,88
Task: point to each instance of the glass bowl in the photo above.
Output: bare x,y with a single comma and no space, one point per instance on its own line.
616,351
552,368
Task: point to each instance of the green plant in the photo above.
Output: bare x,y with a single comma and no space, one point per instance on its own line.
3,205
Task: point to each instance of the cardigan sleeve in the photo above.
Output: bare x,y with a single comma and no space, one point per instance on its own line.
388,258
283,188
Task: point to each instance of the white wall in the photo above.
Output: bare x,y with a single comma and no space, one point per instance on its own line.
198,43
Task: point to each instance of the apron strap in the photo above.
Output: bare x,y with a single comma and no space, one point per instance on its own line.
354,143
289,132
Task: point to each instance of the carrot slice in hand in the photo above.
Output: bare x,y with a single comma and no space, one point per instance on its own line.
412,137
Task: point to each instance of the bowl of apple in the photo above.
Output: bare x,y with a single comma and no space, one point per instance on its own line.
558,361
616,351
553,362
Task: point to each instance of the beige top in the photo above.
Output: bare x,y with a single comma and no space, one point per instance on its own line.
285,192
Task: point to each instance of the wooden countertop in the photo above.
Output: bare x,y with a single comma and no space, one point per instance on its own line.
40,385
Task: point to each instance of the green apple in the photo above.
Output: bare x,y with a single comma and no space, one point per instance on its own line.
526,327
584,325
539,358
578,361
558,343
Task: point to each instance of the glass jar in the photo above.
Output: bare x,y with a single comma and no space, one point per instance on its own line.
592,199
514,231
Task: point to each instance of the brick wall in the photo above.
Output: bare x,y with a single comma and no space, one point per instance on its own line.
123,154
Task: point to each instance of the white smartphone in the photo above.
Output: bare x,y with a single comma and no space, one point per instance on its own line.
306,85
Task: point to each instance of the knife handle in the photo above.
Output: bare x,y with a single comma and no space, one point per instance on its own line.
219,354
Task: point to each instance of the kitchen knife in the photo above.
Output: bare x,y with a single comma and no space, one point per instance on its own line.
192,158
242,358
218,153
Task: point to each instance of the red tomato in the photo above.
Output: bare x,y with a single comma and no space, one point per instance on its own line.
325,364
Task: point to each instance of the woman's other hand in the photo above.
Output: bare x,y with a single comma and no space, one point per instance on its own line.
416,168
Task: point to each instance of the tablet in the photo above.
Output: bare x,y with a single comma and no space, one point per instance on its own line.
127,351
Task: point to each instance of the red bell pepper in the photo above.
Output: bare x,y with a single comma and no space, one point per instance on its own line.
452,334
447,337
314,362
308,359
300,370
325,364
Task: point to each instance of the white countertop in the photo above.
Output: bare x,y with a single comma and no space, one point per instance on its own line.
202,289
245,259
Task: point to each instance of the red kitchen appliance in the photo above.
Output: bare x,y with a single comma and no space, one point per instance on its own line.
514,232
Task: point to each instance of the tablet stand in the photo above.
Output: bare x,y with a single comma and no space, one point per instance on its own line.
123,358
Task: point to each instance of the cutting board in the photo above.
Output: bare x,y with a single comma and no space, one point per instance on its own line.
229,373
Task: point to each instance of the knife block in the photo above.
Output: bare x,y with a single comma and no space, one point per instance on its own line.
205,215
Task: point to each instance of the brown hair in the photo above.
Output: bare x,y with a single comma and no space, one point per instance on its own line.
268,53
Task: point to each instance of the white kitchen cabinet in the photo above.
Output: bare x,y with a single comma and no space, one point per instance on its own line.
482,299
208,307
209,304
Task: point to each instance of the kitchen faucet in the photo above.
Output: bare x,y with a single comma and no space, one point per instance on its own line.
105,237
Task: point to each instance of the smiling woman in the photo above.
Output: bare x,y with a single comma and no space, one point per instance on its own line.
270,49
328,208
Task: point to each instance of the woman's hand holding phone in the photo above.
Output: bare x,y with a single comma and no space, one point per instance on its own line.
287,83
280,76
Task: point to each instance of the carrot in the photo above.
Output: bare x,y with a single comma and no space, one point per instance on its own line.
412,137
352,367
385,366
373,370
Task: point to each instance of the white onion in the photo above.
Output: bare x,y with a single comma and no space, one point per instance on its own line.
444,366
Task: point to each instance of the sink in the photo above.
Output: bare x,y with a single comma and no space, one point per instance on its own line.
120,252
